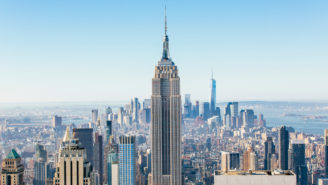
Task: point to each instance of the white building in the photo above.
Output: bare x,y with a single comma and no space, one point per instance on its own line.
255,178
323,181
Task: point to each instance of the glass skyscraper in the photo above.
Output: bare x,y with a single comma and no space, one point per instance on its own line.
283,148
127,160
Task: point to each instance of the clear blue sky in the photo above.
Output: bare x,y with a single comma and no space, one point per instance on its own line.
59,50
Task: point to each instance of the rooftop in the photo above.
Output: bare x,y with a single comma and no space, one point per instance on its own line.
256,172
13,154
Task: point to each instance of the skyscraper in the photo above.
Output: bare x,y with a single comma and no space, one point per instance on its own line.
205,110
250,159
230,161
283,148
166,121
298,164
12,169
269,149
40,165
56,121
108,130
135,110
98,157
94,116
72,167
213,95
85,137
127,160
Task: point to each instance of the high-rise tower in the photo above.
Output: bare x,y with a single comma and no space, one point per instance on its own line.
166,121
283,148
213,95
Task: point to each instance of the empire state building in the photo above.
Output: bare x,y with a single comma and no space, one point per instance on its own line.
166,121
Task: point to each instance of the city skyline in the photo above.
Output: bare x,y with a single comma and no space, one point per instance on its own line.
83,52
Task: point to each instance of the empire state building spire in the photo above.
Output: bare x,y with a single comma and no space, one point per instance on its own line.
166,53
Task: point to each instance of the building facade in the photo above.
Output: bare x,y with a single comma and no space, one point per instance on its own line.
72,167
283,148
127,160
166,121
12,171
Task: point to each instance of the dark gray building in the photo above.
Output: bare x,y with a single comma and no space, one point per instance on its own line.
297,163
269,149
85,137
283,148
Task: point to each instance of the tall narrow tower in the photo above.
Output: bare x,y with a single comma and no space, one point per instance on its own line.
213,95
166,121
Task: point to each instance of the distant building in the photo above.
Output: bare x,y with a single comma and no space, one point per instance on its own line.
85,137
196,109
205,110
40,165
56,121
94,116
72,167
269,150
283,148
115,173
120,116
298,165
261,122
109,131
323,181
127,160
135,110
248,118
326,152
98,157
230,161
213,96
187,107
254,178
250,159
12,169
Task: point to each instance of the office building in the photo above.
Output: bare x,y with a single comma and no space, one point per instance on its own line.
213,96
85,137
40,165
254,178
12,169
298,165
115,173
98,157
135,110
269,150
205,110
109,126
187,113
127,160
56,121
248,118
230,161
72,167
323,181
250,159
94,116
166,121
283,148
